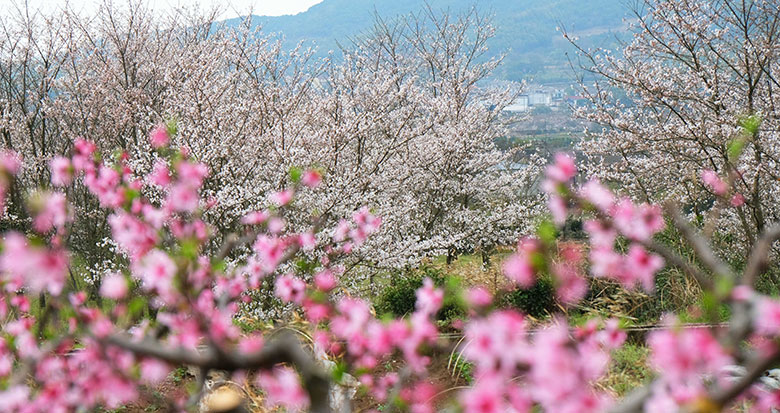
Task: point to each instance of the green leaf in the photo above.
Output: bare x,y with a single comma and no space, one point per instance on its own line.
723,286
710,306
338,371
219,266
131,195
750,124
735,149
303,265
295,174
547,232
136,306
172,124
318,296
189,249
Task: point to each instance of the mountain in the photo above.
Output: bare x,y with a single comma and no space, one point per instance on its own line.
526,29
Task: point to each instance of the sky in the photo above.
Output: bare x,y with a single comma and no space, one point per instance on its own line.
230,8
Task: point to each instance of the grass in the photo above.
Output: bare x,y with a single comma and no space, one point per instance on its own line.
629,369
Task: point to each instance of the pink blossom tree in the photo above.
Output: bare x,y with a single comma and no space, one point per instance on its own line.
74,354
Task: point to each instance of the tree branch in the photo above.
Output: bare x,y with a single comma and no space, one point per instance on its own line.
758,260
285,349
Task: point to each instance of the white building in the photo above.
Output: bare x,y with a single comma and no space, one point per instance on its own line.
539,98
519,105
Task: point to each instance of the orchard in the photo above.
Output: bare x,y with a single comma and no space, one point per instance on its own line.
177,198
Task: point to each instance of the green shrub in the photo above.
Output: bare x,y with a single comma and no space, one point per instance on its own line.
398,299
463,370
537,301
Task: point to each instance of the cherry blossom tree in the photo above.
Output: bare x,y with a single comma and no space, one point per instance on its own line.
399,124
689,89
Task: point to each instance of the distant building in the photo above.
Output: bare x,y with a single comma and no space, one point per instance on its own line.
519,105
540,98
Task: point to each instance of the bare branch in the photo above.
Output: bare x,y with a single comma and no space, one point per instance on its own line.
759,258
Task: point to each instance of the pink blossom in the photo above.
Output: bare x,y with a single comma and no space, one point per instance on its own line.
558,209
134,236
742,293
290,289
270,251
283,388
307,241
251,344
105,185
154,371
82,159
638,222
38,268
384,384
606,263
182,198
156,270
562,170
487,396
61,171
680,355
84,147
311,178
153,216
352,318
325,281
598,195
15,398
315,311
561,372
479,297
254,218
420,397
570,285
10,162
496,343
651,219
737,200
275,225
192,174
642,266
429,298
366,224
256,271
50,211
767,400
159,136
114,286
519,269
161,175
612,336
601,235
282,198
341,231
767,318
713,181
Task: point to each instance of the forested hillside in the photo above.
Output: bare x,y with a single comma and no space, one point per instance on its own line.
526,29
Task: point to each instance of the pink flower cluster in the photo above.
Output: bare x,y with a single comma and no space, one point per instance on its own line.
196,299
684,358
638,223
556,369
